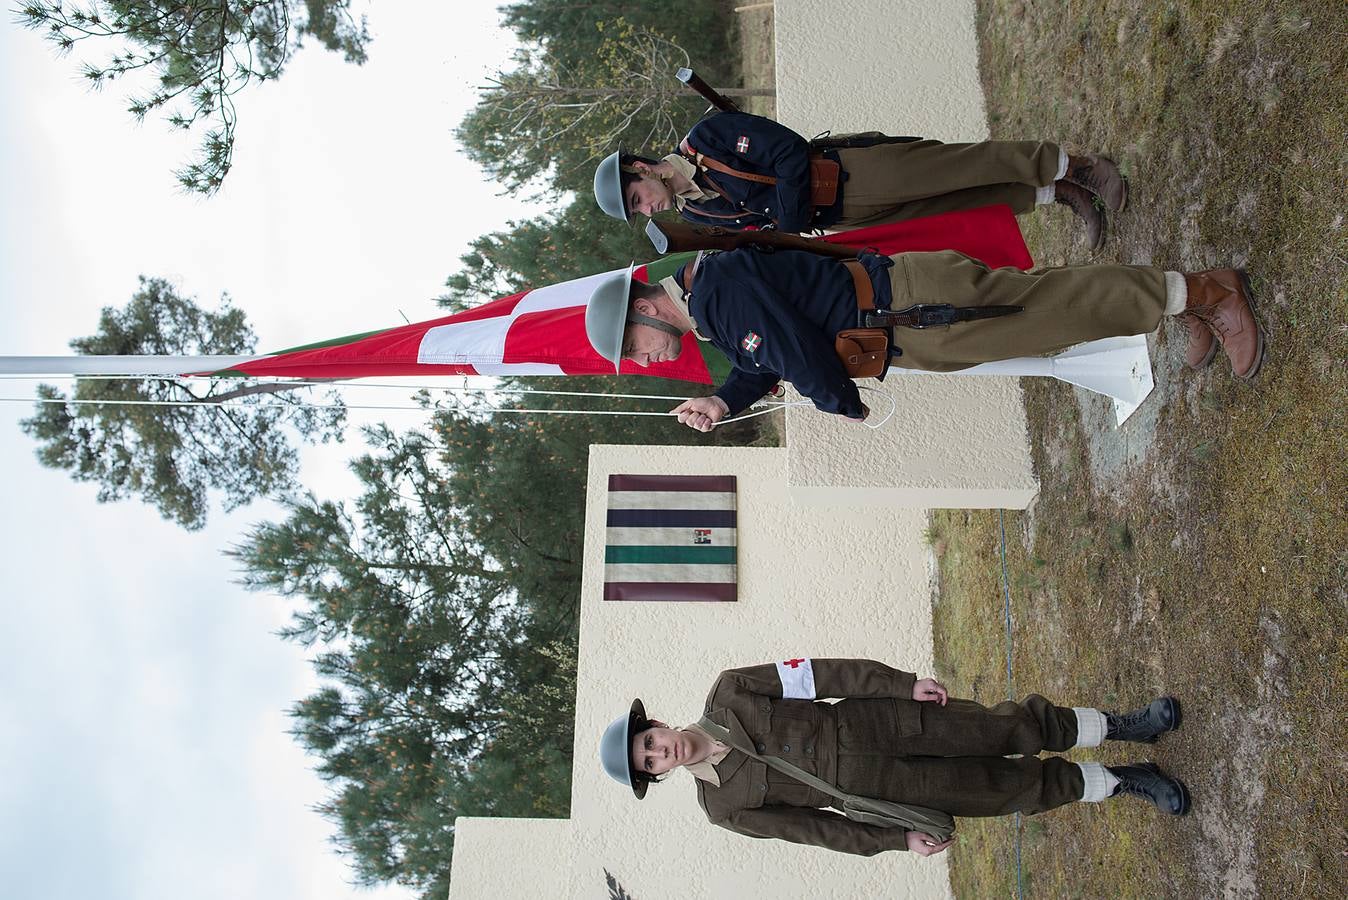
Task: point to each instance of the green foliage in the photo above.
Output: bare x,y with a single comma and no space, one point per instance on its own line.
545,117
443,610
591,77
567,28
577,241
429,661
197,56
173,456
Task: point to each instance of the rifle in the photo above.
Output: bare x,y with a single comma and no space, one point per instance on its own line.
671,236
713,97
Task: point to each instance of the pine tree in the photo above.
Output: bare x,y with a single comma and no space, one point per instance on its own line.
236,441
197,56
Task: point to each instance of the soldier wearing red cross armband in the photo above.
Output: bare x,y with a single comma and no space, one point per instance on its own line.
869,772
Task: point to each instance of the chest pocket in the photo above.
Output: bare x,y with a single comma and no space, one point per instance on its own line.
787,729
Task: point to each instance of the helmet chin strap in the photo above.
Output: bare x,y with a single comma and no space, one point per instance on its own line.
636,318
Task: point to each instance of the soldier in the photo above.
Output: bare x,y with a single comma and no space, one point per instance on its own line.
739,170
891,737
787,315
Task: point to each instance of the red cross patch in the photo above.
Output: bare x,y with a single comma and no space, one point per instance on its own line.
794,663
742,145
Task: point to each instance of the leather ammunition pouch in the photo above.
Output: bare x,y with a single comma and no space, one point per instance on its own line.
864,352
825,176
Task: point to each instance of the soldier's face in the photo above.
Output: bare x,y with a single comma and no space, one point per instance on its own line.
657,750
648,196
644,345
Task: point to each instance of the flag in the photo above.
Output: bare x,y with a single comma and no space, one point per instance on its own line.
542,331
670,537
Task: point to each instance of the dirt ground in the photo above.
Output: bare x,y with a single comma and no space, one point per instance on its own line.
1202,548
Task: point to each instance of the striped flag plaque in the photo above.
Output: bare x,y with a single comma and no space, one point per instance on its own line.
670,537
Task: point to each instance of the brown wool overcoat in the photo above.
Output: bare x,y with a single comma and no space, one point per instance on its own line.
878,742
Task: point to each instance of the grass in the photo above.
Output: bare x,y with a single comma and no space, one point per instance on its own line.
1210,560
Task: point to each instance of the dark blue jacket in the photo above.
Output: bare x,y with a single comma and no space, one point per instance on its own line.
775,315
762,147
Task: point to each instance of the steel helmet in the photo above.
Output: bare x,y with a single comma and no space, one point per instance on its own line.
615,747
608,187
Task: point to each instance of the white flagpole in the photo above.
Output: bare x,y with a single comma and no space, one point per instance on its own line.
118,365
1117,367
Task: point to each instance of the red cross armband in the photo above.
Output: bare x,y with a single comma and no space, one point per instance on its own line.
797,677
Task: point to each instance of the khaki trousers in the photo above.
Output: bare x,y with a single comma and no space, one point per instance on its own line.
958,762
1061,307
894,182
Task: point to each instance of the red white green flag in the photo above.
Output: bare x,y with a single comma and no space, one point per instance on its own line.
538,332
542,332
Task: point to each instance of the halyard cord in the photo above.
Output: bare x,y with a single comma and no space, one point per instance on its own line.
766,406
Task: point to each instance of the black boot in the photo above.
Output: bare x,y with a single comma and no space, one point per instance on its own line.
1145,724
1145,780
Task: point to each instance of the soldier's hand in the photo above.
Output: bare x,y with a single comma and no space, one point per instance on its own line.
926,845
702,413
929,689
865,414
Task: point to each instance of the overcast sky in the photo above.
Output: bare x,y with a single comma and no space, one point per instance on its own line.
142,694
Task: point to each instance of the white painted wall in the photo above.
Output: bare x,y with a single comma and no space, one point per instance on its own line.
902,67
811,516
820,581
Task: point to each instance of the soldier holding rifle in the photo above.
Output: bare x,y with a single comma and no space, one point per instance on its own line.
739,170
818,322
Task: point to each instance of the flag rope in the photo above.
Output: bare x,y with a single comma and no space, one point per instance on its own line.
205,403
342,383
765,406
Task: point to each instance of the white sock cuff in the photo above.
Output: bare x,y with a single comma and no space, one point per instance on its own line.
1100,782
1091,726
1176,293
1062,164
1043,196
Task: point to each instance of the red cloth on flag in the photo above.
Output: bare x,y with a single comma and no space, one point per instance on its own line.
543,331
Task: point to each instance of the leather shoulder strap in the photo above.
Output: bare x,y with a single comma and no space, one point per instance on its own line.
861,280
718,166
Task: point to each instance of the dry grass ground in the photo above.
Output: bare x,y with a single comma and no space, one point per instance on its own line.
1202,549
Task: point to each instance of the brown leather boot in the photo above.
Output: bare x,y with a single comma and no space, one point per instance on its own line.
1082,202
1221,299
1202,342
1101,177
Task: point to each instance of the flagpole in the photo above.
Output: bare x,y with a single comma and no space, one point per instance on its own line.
119,365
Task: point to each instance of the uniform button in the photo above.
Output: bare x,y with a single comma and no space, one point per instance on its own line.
766,210
809,751
786,748
762,787
766,708
761,747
